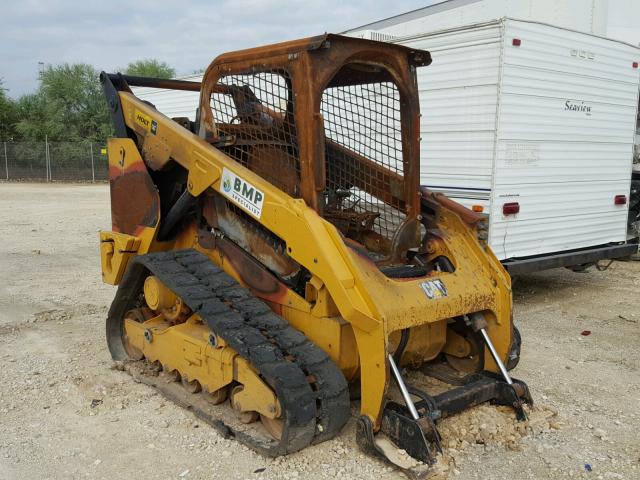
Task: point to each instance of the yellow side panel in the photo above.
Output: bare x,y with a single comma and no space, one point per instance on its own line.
116,249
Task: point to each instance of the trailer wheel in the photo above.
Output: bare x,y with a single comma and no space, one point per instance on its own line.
514,353
580,268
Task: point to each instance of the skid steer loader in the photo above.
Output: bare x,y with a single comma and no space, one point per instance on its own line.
278,253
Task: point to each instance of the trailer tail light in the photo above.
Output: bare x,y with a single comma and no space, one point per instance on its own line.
511,208
634,64
620,200
477,208
516,42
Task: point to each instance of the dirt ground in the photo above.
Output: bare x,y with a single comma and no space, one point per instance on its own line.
65,413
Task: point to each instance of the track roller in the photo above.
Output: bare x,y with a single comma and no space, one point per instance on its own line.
225,341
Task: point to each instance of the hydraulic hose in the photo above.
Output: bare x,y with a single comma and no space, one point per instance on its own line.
175,214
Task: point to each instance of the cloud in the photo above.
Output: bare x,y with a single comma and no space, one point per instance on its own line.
185,34
109,34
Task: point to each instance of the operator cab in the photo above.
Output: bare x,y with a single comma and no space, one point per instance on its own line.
331,120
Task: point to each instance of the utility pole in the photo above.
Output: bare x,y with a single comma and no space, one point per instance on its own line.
47,161
93,173
6,160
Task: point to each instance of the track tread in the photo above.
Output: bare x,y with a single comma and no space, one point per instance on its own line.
314,412
331,390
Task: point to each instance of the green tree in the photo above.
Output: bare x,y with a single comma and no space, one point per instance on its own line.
35,120
150,68
68,106
8,115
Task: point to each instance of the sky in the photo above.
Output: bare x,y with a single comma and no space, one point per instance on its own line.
109,34
188,34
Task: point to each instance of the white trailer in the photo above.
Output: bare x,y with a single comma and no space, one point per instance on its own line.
173,103
534,125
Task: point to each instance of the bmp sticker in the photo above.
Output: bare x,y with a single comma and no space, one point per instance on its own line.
242,193
146,122
434,289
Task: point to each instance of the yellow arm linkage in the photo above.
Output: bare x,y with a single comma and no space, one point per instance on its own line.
310,239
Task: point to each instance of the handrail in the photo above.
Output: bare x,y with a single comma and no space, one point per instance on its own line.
151,82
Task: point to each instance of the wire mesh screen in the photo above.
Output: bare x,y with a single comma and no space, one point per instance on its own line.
256,127
364,155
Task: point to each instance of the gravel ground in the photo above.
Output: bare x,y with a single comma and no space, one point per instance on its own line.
66,413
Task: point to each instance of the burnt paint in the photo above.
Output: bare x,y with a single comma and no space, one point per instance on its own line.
135,204
252,272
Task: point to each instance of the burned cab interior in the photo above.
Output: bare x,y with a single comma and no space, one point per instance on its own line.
354,162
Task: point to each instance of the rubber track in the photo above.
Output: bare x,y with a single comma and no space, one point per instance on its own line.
312,412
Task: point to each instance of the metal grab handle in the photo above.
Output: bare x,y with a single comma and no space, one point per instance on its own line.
479,324
496,358
403,388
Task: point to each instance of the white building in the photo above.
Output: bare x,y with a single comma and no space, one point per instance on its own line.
590,16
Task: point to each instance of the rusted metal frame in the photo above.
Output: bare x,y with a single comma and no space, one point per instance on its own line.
328,63
418,57
467,215
310,129
252,273
304,122
217,70
250,55
163,83
410,120
402,70
266,247
311,64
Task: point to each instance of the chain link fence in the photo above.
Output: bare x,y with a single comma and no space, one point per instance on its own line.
53,161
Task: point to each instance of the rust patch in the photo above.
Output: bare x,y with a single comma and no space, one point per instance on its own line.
252,272
134,201
265,247
467,215
209,211
207,240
